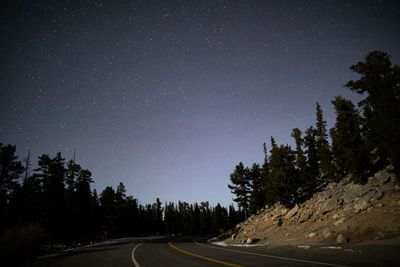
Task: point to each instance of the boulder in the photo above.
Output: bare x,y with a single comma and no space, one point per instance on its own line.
378,194
383,176
327,233
354,191
250,241
341,220
341,239
234,236
361,205
292,212
312,234
306,215
329,205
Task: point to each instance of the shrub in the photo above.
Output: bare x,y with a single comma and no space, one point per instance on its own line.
21,242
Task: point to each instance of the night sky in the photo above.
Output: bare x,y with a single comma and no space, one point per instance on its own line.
168,96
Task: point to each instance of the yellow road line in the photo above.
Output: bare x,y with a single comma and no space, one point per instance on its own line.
202,257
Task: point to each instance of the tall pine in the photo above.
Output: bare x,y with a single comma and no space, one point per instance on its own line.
240,187
323,149
380,83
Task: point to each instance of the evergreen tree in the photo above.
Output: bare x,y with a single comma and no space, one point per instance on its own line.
218,220
158,214
268,187
10,171
232,217
301,161
84,208
196,219
304,174
348,147
108,211
380,80
311,151
256,188
323,150
283,175
205,218
170,218
52,174
240,187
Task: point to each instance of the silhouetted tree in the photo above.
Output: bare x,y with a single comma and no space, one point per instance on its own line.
283,174
10,171
257,194
311,151
347,144
380,82
240,187
322,144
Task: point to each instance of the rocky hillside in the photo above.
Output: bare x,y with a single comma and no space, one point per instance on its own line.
342,213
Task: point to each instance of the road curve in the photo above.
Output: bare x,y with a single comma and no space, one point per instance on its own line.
188,253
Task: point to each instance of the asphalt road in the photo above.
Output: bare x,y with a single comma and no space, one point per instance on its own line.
191,253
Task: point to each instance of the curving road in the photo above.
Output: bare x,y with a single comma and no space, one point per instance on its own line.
191,253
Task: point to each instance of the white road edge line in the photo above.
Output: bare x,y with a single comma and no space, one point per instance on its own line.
133,255
274,257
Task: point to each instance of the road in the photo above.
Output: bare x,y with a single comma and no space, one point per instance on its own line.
192,253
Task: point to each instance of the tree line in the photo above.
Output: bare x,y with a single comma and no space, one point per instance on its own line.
363,140
57,198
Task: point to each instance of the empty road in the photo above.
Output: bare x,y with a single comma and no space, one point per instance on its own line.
192,253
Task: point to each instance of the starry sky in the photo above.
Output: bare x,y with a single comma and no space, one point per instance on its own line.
168,96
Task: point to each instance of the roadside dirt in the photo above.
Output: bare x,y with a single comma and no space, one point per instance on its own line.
343,213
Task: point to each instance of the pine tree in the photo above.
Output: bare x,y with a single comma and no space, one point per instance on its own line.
52,173
10,171
256,188
348,146
240,187
283,175
380,80
84,201
108,211
304,175
323,150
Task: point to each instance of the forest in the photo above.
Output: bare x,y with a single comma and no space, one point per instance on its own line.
54,202
55,205
363,140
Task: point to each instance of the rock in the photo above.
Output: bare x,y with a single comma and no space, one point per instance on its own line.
234,236
341,239
342,220
383,176
329,205
327,233
361,205
379,205
250,241
283,211
335,216
311,235
354,191
243,241
378,194
292,212
306,215
390,167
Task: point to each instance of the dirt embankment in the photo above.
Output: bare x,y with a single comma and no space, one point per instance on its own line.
342,213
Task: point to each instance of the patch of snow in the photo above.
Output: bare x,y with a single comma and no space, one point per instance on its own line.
223,244
125,240
214,239
304,247
331,247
